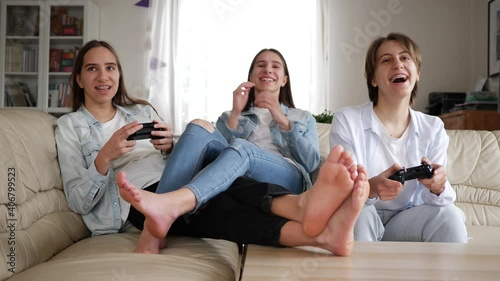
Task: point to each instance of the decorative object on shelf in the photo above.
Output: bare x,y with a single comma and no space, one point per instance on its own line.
142,3
325,117
28,95
493,37
18,21
15,96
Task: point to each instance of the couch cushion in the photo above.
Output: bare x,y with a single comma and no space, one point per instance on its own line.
474,171
37,222
110,257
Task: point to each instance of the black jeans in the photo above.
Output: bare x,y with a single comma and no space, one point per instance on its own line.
240,214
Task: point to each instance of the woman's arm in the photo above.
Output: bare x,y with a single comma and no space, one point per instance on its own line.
437,155
300,142
82,183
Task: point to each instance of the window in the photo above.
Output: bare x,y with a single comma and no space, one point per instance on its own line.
216,41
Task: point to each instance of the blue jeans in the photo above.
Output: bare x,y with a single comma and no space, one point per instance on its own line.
206,164
423,223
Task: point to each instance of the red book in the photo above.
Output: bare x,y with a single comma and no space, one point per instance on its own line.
55,60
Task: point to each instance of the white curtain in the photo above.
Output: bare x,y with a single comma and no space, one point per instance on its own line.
322,58
160,74
202,50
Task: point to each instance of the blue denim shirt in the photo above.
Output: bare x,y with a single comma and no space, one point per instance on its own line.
300,144
79,139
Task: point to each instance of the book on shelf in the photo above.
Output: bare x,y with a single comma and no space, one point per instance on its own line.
55,59
59,95
61,60
19,58
62,24
67,59
15,96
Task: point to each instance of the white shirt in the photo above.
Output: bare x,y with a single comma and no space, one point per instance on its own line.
354,128
143,165
261,135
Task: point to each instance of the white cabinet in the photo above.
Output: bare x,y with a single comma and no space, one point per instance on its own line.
40,40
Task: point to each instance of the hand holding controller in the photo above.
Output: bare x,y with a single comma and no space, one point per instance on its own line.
423,171
145,132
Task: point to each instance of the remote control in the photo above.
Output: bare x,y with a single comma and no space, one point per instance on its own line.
423,171
145,132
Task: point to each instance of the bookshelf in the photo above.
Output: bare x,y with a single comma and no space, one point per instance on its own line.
40,40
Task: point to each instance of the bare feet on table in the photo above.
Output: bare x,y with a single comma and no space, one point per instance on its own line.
338,236
333,185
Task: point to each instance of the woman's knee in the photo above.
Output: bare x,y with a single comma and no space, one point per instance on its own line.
204,124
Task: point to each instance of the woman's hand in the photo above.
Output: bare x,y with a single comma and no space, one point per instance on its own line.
383,187
240,99
116,146
438,182
271,102
240,96
166,140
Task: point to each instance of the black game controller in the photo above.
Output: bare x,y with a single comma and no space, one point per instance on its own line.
419,172
145,132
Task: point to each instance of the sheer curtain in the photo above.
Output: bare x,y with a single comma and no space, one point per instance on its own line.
202,50
160,76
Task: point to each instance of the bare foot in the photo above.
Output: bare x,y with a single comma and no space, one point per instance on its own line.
160,210
333,185
148,244
338,236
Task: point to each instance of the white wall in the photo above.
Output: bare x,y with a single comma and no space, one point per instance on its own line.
452,35
125,27
444,29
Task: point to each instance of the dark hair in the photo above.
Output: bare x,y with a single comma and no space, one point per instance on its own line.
408,45
78,98
285,96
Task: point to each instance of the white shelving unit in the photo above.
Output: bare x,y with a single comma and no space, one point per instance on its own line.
40,40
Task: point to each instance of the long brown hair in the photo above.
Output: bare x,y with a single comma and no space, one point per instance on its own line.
78,94
371,61
285,95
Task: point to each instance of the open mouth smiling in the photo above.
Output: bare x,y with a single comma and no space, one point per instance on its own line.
399,78
267,79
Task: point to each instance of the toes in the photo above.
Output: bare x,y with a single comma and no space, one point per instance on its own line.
335,154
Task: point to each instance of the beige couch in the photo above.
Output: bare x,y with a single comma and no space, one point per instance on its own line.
49,242
41,239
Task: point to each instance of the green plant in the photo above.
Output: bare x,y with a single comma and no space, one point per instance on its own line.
325,117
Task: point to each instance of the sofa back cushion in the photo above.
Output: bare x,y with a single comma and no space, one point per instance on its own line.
474,171
36,221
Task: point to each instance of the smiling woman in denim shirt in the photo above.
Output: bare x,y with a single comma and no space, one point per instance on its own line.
264,137
92,140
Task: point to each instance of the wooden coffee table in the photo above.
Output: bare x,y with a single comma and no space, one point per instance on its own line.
376,261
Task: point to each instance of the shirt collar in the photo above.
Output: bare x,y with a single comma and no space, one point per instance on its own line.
367,119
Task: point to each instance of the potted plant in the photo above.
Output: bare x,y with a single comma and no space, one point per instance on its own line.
324,117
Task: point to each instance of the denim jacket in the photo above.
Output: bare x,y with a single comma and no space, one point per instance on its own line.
300,144
79,139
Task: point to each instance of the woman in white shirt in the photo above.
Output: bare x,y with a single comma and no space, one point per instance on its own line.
385,135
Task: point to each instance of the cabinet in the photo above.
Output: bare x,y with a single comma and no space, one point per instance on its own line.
488,120
40,40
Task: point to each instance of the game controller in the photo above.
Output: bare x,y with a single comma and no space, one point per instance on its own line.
419,172
145,132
